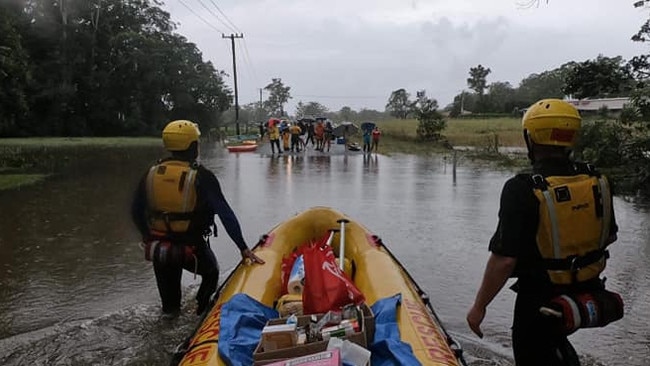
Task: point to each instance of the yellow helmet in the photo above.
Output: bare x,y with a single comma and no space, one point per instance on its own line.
179,135
552,122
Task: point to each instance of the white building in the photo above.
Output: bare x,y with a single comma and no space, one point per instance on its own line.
612,104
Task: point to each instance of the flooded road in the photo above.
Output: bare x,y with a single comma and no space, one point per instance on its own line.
75,289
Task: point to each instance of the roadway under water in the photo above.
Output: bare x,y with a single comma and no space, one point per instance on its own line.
75,288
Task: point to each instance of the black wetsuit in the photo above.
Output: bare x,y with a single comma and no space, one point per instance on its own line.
210,201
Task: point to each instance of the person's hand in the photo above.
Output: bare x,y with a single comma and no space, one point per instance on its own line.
247,253
475,318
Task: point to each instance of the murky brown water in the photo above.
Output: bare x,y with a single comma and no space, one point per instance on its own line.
75,289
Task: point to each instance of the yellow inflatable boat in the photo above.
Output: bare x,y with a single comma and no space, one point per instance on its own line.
377,274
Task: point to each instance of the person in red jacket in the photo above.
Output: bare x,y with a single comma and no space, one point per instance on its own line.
376,134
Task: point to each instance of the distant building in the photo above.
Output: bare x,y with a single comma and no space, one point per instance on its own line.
593,105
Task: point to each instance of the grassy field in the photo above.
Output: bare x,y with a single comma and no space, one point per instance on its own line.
40,142
462,132
25,161
8,181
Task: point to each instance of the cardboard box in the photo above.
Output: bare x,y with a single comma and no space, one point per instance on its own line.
278,336
263,356
326,358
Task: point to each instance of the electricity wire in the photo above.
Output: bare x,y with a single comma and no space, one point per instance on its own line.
217,17
199,16
234,27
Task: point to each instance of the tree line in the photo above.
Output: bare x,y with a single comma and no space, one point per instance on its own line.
100,67
602,77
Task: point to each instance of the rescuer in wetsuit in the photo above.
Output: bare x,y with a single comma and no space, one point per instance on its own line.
523,244
173,208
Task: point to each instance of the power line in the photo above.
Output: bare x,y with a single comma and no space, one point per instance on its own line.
248,61
226,17
199,16
216,16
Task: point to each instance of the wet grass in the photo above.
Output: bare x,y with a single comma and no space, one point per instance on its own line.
42,142
480,139
26,161
11,181
463,132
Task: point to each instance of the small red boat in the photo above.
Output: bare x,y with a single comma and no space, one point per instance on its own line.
242,148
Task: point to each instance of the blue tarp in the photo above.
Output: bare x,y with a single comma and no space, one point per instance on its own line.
387,348
242,320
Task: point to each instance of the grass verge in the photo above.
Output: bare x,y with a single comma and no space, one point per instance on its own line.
25,161
11,181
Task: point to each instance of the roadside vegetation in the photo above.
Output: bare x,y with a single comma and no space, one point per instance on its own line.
25,161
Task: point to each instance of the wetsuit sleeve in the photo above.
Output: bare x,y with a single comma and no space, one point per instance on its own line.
516,214
138,207
211,190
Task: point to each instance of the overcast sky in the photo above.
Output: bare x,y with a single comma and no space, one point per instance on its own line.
356,52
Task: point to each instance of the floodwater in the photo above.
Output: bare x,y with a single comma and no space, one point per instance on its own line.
76,290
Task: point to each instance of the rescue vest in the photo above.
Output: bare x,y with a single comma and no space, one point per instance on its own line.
171,192
575,214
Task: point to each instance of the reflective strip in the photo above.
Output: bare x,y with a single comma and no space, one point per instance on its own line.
188,186
152,248
555,228
605,195
574,309
162,254
150,175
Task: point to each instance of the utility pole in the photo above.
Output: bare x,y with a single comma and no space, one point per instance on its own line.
234,72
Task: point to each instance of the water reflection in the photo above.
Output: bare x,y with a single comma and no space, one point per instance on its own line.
73,281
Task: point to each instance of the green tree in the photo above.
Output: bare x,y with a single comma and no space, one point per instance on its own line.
501,97
534,87
463,103
399,104
14,72
347,114
430,121
279,95
599,78
108,67
477,80
312,109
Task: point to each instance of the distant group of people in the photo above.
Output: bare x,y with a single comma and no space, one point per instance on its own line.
555,224
297,136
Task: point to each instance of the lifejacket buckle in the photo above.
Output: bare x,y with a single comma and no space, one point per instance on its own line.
538,181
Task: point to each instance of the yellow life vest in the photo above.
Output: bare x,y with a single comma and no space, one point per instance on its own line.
575,215
171,193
